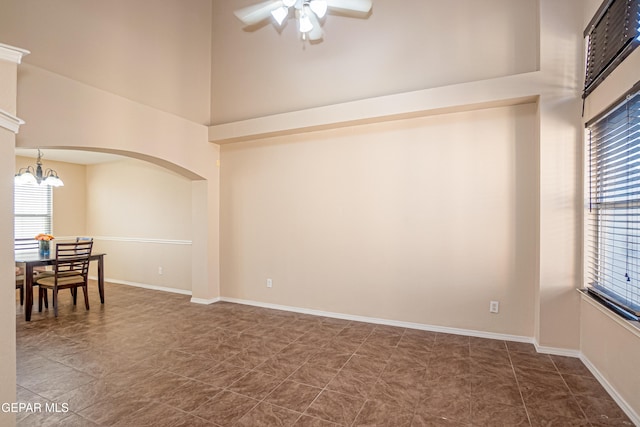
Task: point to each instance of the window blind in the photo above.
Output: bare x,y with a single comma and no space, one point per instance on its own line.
32,210
612,35
613,227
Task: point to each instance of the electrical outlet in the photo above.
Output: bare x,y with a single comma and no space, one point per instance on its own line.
160,271
269,283
494,307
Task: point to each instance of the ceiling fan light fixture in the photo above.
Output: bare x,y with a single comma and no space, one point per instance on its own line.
309,14
280,14
319,7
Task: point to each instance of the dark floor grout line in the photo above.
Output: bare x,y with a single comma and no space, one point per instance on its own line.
524,404
263,400
573,396
337,373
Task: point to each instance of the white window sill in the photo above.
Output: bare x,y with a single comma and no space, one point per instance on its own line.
631,325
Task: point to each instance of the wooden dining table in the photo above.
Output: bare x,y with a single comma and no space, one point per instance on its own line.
30,259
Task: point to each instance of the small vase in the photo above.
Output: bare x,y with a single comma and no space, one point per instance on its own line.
44,247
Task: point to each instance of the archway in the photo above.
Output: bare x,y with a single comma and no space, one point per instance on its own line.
138,212
64,114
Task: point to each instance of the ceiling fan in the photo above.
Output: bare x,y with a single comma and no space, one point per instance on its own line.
308,13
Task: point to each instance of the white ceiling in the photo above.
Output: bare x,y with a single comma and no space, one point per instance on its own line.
69,156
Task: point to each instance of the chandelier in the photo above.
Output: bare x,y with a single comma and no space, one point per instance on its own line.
308,13
36,176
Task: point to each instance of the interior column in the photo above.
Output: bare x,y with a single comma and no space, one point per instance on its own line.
10,57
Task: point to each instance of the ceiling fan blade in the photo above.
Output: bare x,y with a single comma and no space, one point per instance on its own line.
251,15
359,6
316,33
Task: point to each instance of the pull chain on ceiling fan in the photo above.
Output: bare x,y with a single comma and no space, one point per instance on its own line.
308,13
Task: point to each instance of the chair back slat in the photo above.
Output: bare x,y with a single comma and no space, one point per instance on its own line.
25,245
72,258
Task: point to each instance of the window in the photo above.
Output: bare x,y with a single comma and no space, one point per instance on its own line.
613,226
32,210
612,34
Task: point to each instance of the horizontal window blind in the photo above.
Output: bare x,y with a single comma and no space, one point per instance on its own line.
32,210
612,35
614,218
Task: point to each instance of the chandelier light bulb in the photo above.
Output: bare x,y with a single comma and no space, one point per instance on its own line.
26,178
53,181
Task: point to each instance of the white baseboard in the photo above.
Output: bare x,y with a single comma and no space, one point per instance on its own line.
145,286
635,417
387,322
557,351
204,301
162,289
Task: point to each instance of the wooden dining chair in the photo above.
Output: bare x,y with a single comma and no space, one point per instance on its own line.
70,271
74,292
29,245
25,245
20,283
42,273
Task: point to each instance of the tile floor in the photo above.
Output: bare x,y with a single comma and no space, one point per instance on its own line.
150,358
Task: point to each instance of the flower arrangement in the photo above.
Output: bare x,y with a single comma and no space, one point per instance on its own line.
44,241
44,237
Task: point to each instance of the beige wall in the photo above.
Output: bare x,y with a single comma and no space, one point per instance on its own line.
611,348
395,50
8,76
422,220
155,52
140,215
560,186
8,88
7,274
132,198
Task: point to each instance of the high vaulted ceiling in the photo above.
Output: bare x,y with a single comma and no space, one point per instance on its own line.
195,60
